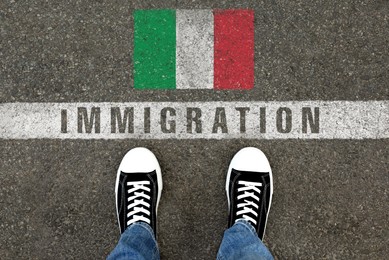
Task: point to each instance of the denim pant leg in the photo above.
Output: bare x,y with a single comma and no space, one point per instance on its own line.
137,242
242,242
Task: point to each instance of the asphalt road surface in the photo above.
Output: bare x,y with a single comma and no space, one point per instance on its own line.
57,196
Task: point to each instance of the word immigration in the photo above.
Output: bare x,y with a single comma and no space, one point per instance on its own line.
193,120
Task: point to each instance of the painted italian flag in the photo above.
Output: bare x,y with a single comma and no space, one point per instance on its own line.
193,49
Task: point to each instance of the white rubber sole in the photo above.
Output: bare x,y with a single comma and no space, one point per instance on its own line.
254,160
139,159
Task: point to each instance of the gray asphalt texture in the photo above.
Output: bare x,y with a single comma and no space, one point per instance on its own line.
57,196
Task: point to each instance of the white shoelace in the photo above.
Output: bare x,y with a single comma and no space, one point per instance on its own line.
247,193
137,203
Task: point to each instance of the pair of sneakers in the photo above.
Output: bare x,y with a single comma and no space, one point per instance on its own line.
249,188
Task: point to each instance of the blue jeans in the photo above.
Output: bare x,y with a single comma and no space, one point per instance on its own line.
239,242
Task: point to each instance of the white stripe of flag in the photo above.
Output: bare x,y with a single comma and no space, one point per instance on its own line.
194,49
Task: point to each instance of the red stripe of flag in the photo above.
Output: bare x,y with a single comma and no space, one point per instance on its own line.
233,49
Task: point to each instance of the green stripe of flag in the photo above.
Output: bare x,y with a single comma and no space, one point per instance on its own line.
155,49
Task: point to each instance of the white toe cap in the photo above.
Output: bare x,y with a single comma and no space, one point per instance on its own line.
139,159
250,159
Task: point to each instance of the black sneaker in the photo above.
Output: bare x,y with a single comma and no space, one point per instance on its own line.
249,188
138,188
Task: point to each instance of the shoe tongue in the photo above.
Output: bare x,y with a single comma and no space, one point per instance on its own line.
137,176
249,176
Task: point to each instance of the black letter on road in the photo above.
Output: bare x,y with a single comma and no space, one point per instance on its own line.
122,121
242,112
94,120
313,123
288,120
172,123
64,121
190,118
220,120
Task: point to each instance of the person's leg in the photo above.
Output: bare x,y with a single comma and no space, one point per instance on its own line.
138,190
137,242
242,242
249,189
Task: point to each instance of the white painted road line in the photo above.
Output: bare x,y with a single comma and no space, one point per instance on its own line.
196,120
